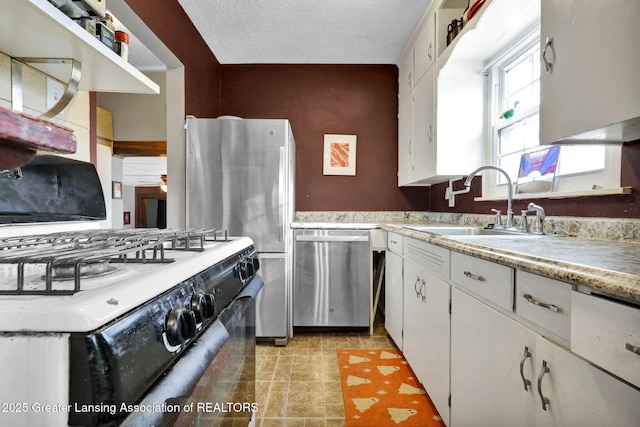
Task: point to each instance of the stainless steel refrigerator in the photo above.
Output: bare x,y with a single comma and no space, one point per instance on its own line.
240,177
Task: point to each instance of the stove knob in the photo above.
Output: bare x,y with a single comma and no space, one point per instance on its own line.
242,272
180,325
203,305
248,266
256,263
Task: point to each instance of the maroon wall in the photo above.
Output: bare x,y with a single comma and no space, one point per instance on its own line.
336,99
171,24
617,206
343,99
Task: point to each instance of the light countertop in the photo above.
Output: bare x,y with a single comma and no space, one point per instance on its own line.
609,267
334,225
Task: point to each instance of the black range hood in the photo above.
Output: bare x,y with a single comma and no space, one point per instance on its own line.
52,188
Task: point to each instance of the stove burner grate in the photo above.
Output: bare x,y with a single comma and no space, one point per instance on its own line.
91,269
73,255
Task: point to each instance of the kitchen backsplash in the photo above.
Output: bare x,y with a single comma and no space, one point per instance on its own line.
587,228
34,87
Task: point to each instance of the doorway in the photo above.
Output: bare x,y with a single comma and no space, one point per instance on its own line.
151,208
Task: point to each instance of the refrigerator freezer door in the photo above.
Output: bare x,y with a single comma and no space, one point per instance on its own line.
272,307
239,179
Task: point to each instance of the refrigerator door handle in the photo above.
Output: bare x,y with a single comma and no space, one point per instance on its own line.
282,194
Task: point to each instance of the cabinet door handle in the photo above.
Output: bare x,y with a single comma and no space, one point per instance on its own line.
548,65
415,287
632,348
430,52
551,307
470,275
543,370
525,355
423,295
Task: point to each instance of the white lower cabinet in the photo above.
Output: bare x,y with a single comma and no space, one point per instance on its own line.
504,374
484,363
435,343
426,333
426,320
393,295
607,333
486,350
414,309
580,394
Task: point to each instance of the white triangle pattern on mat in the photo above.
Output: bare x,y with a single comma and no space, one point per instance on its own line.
409,389
353,380
399,415
364,403
388,370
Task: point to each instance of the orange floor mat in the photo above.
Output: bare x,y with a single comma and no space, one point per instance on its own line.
379,389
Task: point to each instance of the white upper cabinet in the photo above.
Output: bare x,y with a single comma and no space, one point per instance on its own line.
416,107
424,150
448,87
405,74
590,87
424,47
405,140
37,29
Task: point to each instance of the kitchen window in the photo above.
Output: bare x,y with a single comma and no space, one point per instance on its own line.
513,119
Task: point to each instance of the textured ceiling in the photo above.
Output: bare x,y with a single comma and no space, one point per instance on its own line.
306,31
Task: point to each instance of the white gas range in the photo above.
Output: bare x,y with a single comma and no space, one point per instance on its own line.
97,326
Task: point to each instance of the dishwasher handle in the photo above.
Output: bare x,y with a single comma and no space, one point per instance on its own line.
335,238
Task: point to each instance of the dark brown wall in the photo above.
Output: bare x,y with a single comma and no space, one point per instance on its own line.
170,23
343,99
618,206
336,99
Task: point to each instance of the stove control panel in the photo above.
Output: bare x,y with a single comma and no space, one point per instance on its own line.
200,300
149,339
248,268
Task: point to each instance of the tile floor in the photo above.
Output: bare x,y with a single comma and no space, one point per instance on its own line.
298,385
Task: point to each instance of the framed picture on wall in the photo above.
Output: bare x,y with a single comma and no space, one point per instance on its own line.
339,155
116,190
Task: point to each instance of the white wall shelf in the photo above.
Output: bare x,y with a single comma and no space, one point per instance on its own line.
37,29
494,25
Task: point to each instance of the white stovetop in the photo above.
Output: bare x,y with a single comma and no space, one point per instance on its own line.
90,309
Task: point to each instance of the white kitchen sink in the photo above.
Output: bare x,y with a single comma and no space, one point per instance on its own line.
464,231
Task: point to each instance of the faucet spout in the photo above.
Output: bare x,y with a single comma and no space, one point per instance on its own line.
467,183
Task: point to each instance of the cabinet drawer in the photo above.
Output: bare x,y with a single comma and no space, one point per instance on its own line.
394,243
607,333
544,302
488,280
434,258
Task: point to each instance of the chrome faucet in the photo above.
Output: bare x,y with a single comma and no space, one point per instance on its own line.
540,216
467,183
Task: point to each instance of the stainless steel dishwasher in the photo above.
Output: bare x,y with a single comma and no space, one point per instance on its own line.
332,278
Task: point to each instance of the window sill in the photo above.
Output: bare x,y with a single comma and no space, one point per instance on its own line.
561,195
